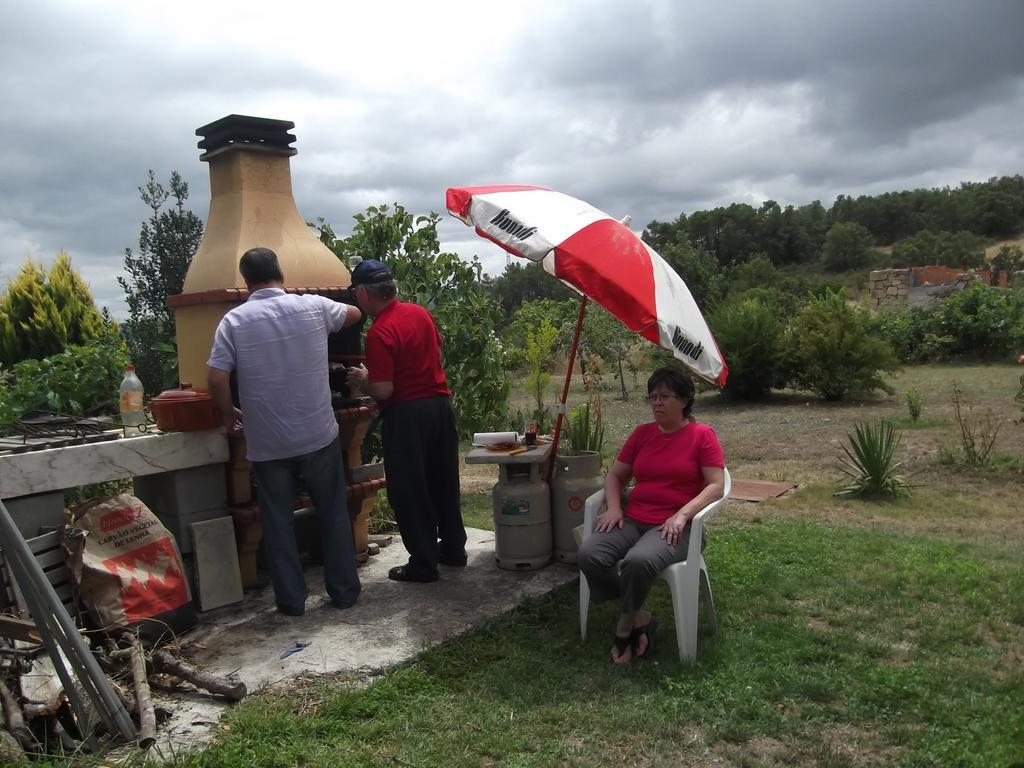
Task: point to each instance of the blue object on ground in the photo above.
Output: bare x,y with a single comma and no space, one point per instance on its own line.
293,648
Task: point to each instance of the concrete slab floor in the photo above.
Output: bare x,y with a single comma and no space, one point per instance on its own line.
392,623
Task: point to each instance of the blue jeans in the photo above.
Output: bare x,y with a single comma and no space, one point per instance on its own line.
324,477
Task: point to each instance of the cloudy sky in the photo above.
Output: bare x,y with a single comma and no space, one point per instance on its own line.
647,108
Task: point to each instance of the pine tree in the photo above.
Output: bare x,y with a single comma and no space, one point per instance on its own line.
167,241
43,313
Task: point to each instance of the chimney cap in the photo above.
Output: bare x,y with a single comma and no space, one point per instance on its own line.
246,132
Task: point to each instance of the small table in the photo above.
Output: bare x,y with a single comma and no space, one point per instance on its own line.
521,502
537,454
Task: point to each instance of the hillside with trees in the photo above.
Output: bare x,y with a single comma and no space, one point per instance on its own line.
969,215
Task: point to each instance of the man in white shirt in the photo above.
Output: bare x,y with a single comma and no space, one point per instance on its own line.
276,343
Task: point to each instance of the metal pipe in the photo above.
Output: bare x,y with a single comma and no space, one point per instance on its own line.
50,615
565,389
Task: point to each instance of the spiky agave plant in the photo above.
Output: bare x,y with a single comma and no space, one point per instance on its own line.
871,463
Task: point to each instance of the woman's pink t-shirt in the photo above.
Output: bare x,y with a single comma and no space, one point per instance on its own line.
667,468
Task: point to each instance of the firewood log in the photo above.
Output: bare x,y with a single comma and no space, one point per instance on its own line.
16,721
147,717
231,690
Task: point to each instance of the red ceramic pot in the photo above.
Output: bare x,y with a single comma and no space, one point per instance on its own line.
185,409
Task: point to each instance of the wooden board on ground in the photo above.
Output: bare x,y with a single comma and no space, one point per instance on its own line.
19,629
758,490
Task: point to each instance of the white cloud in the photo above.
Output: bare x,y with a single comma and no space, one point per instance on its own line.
649,108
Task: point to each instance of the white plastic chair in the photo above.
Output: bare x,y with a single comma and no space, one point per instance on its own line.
687,580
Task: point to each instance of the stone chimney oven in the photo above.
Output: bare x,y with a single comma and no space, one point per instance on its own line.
251,205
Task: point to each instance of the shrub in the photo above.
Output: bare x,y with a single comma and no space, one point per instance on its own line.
913,404
81,380
910,333
831,351
978,432
584,429
749,331
870,463
979,322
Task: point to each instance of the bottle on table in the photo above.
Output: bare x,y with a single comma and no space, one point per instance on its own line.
132,413
531,433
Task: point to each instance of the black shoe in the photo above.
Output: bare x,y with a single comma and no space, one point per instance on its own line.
403,573
288,611
456,561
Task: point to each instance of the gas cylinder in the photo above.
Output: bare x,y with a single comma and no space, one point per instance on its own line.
521,502
576,478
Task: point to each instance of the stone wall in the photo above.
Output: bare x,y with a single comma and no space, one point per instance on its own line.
888,289
923,286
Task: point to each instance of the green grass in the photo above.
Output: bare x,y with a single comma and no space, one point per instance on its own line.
835,647
922,423
477,511
850,633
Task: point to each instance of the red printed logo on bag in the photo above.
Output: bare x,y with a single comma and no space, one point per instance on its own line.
575,503
119,518
151,581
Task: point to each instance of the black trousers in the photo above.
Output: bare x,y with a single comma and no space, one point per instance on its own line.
421,459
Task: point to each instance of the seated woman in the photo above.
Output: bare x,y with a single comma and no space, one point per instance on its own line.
678,465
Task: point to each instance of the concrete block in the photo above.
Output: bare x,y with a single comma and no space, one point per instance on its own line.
30,513
217,577
184,491
184,497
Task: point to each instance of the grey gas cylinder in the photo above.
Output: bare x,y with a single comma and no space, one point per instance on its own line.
576,478
521,501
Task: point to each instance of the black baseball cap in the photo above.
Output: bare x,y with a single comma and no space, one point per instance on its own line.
371,271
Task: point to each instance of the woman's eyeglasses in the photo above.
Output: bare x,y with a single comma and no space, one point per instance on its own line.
652,399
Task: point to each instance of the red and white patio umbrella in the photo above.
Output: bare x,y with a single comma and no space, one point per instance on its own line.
601,258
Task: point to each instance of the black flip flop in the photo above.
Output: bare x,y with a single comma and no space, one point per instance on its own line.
622,643
647,630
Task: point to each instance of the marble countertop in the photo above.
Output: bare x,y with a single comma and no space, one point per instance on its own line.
70,466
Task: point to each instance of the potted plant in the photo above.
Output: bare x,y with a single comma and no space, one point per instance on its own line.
579,474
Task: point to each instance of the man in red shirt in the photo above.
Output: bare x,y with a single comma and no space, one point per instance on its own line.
403,373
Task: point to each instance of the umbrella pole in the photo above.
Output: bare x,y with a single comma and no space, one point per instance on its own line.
565,388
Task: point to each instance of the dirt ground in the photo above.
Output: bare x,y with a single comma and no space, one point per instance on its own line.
798,438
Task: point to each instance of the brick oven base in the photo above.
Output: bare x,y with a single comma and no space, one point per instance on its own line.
249,533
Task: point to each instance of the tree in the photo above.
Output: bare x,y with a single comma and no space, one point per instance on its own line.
699,271
847,246
42,313
1010,258
532,314
756,273
465,313
540,343
749,330
525,281
959,249
167,241
832,352
604,337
